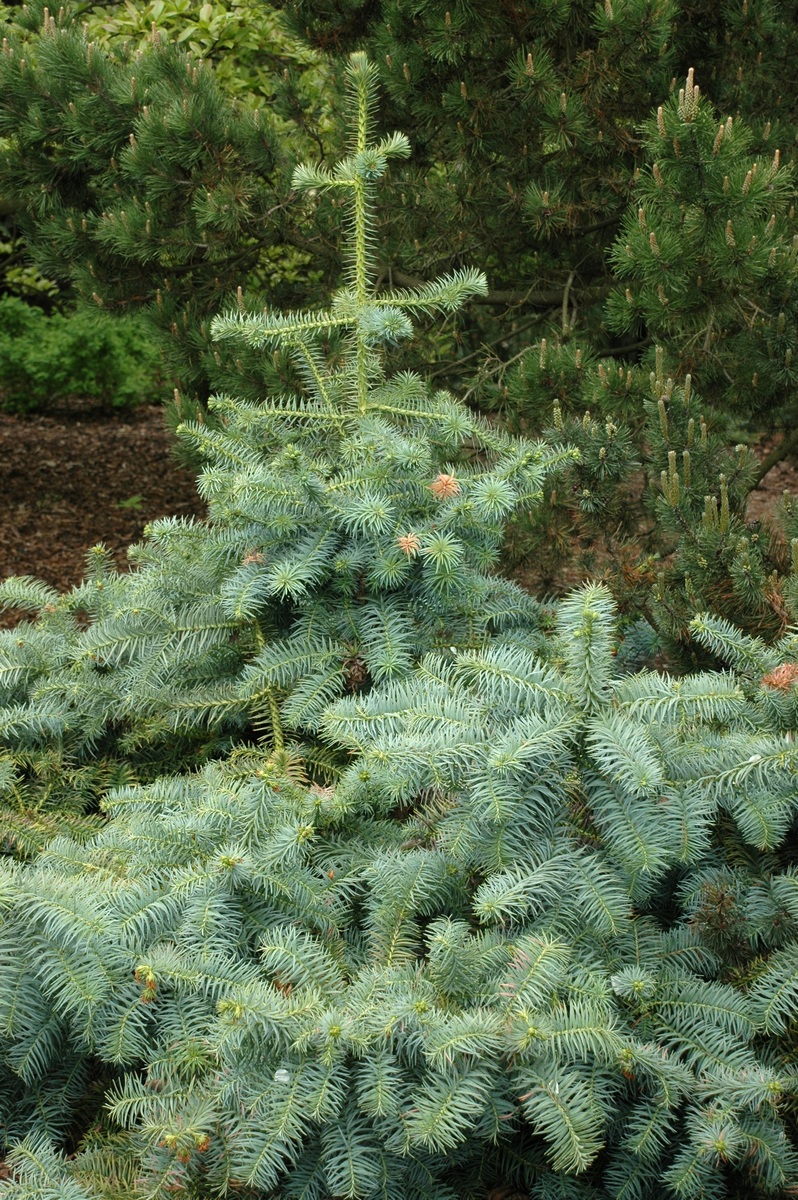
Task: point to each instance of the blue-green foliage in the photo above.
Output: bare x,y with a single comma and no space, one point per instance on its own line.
527,976
353,526
536,929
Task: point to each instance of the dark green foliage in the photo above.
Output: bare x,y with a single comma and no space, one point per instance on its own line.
136,180
44,358
657,494
513,108
710,257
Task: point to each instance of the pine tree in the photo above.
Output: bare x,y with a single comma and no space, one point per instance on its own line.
709,257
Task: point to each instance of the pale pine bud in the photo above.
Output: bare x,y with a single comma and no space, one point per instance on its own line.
659,361
673,479
724,504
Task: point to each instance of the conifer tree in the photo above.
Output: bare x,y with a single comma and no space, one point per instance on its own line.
535,930
353,525
706,260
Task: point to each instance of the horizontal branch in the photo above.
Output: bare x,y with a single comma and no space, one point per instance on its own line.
553,297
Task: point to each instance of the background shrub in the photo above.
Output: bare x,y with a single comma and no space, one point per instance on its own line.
46,358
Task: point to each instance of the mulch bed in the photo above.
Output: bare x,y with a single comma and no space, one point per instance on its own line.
78,477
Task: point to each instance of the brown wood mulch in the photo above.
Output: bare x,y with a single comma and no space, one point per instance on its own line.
77,477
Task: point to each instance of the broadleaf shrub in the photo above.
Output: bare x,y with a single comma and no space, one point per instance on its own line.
45,358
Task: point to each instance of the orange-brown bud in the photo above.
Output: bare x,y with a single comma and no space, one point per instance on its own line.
444,486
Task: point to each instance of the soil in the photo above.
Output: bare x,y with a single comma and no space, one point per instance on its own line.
780,479
81,476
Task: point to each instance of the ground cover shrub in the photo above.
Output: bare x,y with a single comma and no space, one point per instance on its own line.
476,908
45,358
